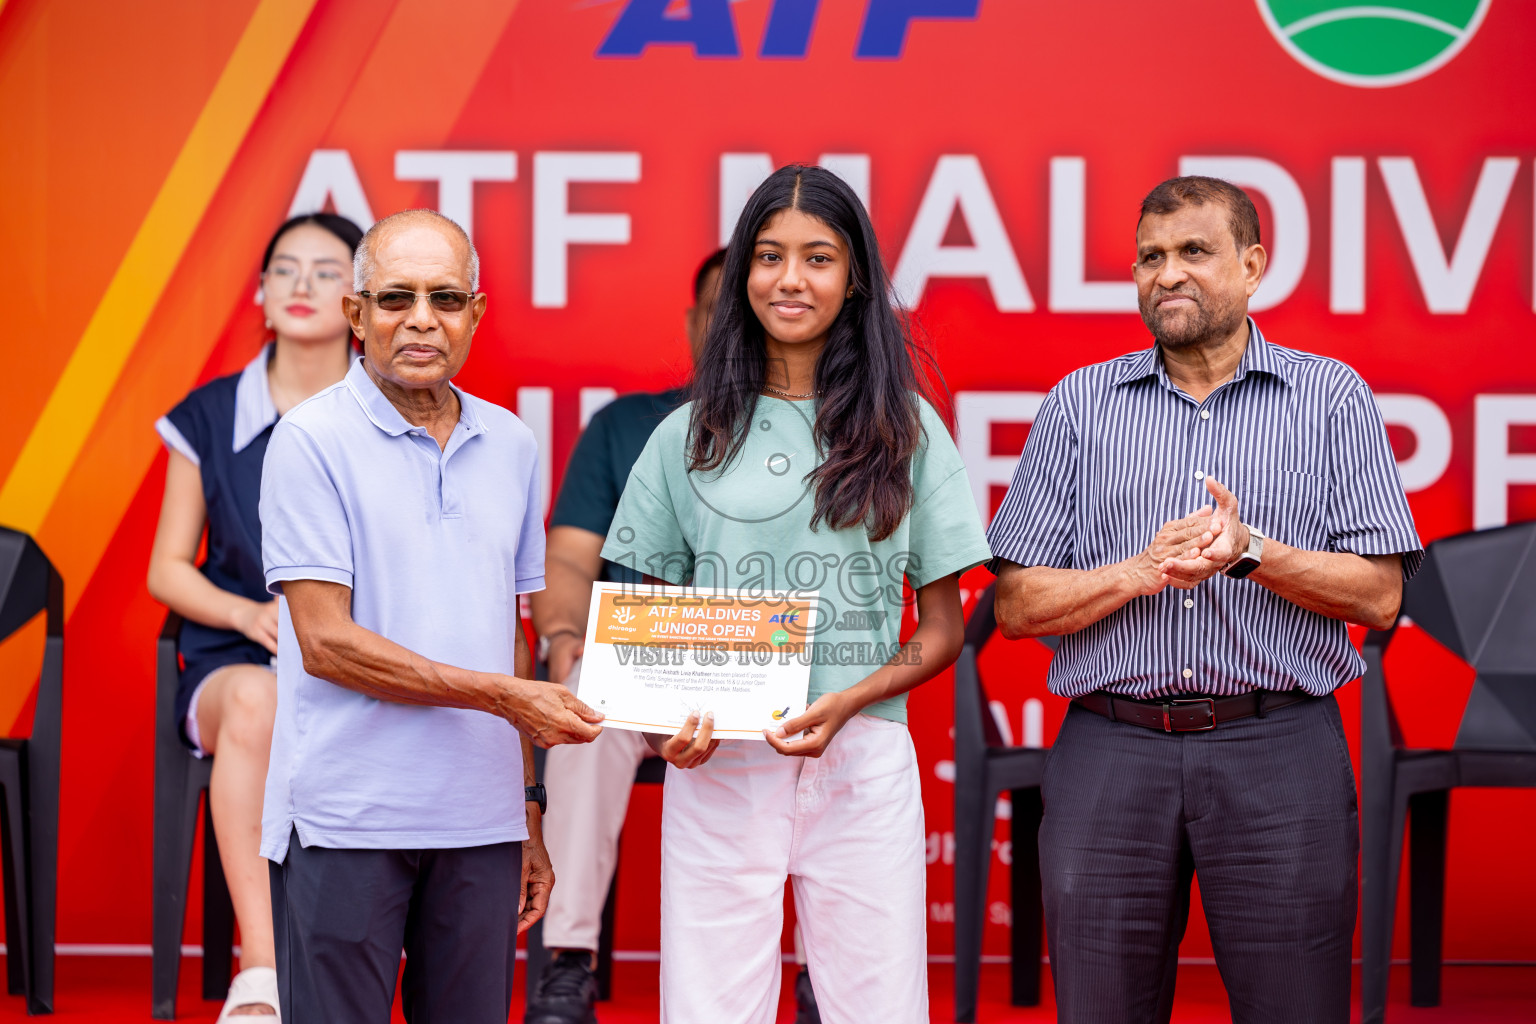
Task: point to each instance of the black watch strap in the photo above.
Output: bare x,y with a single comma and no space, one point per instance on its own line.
536,794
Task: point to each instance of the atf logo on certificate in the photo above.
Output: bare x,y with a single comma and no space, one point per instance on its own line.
655,654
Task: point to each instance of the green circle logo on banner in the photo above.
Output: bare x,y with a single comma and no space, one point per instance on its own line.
1373,45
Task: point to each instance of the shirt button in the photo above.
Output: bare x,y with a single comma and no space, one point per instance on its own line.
1205,414
1189,602
1199,475
1188,673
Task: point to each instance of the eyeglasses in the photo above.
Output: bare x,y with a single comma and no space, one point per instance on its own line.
443,300
318,278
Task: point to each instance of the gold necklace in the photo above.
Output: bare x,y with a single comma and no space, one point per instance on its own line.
788,394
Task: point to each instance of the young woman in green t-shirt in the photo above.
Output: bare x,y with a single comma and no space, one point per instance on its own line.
806,460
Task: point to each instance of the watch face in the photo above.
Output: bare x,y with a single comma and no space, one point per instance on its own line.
1245,564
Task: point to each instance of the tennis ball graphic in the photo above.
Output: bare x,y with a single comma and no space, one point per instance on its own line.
1384,43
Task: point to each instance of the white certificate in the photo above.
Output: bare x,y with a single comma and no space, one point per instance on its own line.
656,654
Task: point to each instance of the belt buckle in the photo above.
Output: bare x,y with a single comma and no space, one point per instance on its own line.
1169,705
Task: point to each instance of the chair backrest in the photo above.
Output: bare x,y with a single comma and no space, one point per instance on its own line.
973,714
1476,594
29,584
167,679
983,621
26,584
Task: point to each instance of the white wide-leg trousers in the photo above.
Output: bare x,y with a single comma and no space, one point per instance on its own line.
848,827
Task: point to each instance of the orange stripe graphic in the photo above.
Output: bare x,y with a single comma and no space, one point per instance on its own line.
111,465
93,369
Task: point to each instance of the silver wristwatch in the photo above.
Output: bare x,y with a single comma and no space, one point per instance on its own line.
1249,560
541,651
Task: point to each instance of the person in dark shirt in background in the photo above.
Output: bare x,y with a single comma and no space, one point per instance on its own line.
592,784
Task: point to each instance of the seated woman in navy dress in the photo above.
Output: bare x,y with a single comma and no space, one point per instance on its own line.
217,439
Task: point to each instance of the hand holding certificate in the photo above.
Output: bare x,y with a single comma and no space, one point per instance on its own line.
655,656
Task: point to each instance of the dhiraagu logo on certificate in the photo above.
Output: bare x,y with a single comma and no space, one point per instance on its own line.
656,655
1373,45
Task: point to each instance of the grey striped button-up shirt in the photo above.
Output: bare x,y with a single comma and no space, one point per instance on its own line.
1117,450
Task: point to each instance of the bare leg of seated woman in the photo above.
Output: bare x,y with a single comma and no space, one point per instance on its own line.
234,720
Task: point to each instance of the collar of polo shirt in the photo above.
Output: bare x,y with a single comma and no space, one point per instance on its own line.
387,418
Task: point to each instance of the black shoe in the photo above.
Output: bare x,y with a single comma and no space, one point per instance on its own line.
805,1000
567,992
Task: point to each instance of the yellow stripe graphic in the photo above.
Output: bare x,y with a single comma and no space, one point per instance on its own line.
113,331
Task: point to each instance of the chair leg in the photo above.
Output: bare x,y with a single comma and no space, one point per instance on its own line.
1383,820
1427,819
13,844
975,820
42,876
218,916
41,806
176,806
1028,908
604,970
41,881
537,960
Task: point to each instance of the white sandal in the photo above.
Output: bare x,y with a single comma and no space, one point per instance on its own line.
254,986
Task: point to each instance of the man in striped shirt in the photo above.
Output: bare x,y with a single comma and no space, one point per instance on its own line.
1198,521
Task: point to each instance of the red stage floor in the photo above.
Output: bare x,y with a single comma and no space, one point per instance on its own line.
116,989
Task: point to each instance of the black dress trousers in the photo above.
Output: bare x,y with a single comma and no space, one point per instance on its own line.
342,917
1262,810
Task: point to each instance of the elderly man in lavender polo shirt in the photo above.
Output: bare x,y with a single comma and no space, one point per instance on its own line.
400,522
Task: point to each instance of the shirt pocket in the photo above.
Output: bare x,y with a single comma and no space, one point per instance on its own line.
1291,507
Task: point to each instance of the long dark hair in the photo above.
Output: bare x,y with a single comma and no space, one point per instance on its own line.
350,234
868,423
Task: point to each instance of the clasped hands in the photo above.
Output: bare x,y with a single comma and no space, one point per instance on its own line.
1187,552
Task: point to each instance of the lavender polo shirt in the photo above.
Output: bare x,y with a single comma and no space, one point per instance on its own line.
436,545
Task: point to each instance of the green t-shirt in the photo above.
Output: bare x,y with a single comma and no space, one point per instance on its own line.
748,526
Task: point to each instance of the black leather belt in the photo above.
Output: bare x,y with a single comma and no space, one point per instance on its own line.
1188,713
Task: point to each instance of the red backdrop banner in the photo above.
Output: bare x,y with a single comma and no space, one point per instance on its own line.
598,150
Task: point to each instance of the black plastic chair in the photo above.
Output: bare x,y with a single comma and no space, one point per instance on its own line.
29,776
181,784
1476,595
652,770
984,769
